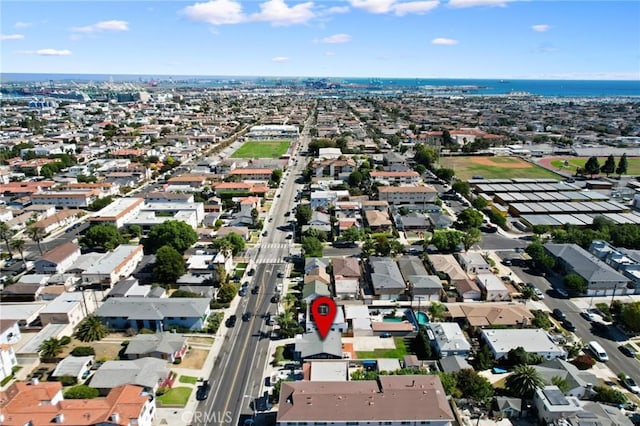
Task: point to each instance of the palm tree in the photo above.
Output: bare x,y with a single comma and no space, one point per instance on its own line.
437,311
524,381
6,233
51,348
91,329
18,244
37,235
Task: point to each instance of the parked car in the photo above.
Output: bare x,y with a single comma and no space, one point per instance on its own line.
275,299
246,316
562,292
628,351
631,385
255,290
589,316
203,391
231,321
242,292
568,325
558,314
538,293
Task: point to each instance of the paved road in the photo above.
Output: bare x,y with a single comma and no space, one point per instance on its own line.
617,361
237,376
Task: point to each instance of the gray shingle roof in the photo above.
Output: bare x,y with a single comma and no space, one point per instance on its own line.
145,372
310,344
166,343
385,274
153,309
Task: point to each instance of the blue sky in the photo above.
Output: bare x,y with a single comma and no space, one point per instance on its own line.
350,38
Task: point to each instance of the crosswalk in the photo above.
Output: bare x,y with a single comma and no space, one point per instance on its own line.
272,252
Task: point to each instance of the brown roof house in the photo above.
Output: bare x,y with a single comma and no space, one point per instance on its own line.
411,399
491,314
58,260
346,277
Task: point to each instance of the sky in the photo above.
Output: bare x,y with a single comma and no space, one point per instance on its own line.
538,39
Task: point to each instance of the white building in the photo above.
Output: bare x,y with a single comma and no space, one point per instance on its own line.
73,199
532,340
448,339
492,287
119,212
114,266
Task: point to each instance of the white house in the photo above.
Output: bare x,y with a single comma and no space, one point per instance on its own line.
532,340
492,287
448,339
473,263
58,260
7,361
115,265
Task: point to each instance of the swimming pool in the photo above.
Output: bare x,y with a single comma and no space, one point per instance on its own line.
392,319
423,318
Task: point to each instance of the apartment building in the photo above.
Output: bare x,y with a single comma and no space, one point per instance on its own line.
66,199
417,194
113,266
119,212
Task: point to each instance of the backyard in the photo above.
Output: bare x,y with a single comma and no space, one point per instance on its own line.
262,149
398,352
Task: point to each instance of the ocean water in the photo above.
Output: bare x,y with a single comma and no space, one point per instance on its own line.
545,88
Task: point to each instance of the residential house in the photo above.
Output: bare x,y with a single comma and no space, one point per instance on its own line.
448,339
66,199
155,314
74,366
166,345
319,221
43,404
8,360
243,231
395,178
308,346
115,265
422,286
313,289
493,288
413,221
551,404
601,279
390,400
68,308
337,168
339,323
532,340
58,220
188,183
119,212
129,287
386,279
580,382
9,332
445,265
454,363
58,260
507,407
250,174
473,263
347,274
168,197
148,373
490,314
378,221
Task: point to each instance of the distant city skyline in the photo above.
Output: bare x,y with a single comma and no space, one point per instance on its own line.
355,38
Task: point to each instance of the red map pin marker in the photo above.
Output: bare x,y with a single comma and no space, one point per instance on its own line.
323,310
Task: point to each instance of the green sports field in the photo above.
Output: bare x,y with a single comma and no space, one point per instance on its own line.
262,149
570,164
495,168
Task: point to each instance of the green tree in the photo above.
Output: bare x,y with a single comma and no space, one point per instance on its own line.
471,237
524,381
135,230
623,164
445,174
37,235
51,348
100,203
176,233
630,316
426,156
450,384
561,383
6,233
528,293
276,176
592,166
103,235
352,234
484,359
609,166
183,294
469,218
83,351
227,292
355,178
575,283
446,240
81,392
18,245
473,385
312,247
420,169
461,187
541,319
437,311
255,214
303,214
169,265
236,241
91,329
479,203
609,395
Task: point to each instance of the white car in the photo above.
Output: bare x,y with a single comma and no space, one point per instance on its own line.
589,316
631,385
538,293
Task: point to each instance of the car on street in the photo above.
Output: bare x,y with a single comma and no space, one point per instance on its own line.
255,290
631,385
558,314
242,292
562,292
589,316
251,271
507,262
246,316
568,325
231,321
538,293
628,351
203,391
275,299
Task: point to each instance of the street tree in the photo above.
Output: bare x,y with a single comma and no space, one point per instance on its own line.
471,237
103,235
176,233
609,165
37,235
446,240
469,218
575,283
445,174
276,176
623,164
312,247
630,316
169,265
303,214
461,187
352,234
227,292
5,234
18,245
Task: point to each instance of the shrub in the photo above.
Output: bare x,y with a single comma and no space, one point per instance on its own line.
177,360
609,395
583,362
161,391
81,392
83,351
65,340
68,380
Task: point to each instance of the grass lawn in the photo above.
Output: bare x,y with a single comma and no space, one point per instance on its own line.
495,168
175,396
195,358
399,352
575,162
262,149
188,379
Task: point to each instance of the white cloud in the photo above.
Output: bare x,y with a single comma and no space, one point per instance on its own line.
11,36
278,13
540,28
329,53
373,6
444,41
472,3
215,12
336,10
418,7
47,52
112,25
280,59
22,25
336,39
